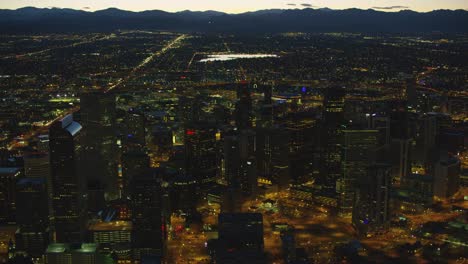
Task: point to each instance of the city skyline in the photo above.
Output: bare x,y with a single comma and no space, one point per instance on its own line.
297,135
240,6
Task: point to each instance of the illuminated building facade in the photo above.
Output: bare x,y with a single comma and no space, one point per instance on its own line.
358,150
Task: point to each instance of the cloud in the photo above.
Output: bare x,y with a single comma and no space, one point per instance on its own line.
389,7
306,5
86,8
291,4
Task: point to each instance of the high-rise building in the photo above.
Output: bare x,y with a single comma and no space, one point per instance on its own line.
135,127
36,165
371,205
43,143
447,177
68,185
162,140
113,237
133,163
423,151
32,216
146,205
240,162
243,114
331,139
400,146
202,157
280,171
416,192
8,179
240,239
358,151
301,130
98,115
272,156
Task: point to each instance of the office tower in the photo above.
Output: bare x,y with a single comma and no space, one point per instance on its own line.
231,160
147,236
455,139
243,112
190,108
113,237
98,116
280,172
241,230
135,127
162,140
201,152
400,148
358,152
446,177
272,155
263,152
240,162
240,238
183,194
43,143
288,242
416,192
410,92
8,178
68,186
134,162
32,216
371,205
424,148
331,139
36,165
300,127
382,124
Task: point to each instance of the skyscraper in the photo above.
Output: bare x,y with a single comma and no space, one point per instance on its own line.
446,177
371,208
201,152
8,179
358,148
240,162
32,216
243,111
68,184
240,239
400,146
331,139
98,116
147,234
36,165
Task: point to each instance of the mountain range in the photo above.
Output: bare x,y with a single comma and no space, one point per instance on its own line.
43,20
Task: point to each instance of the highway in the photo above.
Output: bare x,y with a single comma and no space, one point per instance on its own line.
173,43
39,52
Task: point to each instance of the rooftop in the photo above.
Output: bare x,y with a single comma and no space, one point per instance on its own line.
110,226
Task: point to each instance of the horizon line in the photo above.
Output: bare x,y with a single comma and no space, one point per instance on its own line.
234,13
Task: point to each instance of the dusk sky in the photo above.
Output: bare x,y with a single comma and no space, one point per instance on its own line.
237,6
